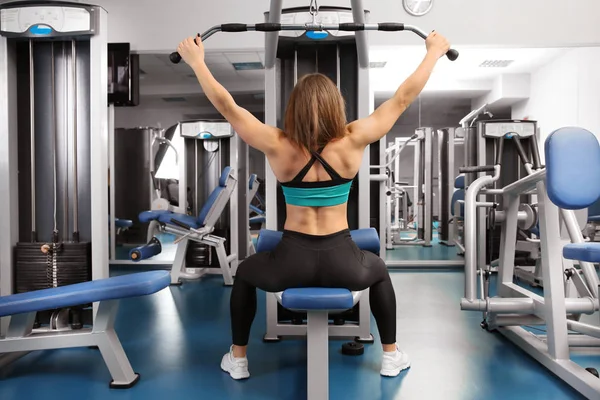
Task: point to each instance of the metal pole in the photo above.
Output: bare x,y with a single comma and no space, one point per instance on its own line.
272,38
362,45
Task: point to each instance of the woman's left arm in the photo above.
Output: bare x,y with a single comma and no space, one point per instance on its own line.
258,135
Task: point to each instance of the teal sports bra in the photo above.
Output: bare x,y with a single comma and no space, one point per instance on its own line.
317,194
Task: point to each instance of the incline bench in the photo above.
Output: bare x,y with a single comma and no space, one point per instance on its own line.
23,307
318,303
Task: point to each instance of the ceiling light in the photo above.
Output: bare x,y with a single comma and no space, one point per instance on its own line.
496,63
377,64
248,66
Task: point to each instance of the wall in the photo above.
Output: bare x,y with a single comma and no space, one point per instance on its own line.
156,25
565,92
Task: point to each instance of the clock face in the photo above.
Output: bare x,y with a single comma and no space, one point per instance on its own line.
417,7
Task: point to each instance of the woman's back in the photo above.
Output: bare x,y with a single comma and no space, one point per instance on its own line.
343,156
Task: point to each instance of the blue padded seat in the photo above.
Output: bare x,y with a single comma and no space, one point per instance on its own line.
459,182
456,196
589,252
594,218
317,299
189,220
120,287
123,223
148,216
365,239
572,168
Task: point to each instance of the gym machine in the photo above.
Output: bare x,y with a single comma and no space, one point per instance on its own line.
568,292
329,43
53,128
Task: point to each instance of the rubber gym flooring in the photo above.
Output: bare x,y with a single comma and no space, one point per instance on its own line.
175,340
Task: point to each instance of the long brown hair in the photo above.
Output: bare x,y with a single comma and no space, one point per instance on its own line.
316,113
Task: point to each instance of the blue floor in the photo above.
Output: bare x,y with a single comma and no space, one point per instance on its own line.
175,340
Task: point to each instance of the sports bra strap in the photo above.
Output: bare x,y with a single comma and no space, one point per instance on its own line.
304,171
332,172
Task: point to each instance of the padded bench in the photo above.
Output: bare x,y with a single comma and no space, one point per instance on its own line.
23,307
318,303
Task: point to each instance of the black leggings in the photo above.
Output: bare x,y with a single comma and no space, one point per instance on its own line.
301,260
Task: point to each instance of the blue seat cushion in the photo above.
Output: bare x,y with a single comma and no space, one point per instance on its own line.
365,239
317,299
589,252
594,218
120,287
209,203
123,223
456,196
184,218
148,216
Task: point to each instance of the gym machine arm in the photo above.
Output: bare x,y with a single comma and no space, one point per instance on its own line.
347,27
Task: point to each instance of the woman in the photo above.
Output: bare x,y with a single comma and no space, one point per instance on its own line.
315,159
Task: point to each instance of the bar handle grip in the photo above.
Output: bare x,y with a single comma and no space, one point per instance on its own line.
479,168
268,27
234,28
391,26
452,54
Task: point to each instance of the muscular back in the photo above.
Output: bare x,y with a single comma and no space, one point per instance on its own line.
343,155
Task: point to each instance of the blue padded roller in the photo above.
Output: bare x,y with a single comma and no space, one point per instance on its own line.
317,299
459,182
572,168
123,223
589,252
148,216
120,287
365,239
251,181
256,209
146,251
258,220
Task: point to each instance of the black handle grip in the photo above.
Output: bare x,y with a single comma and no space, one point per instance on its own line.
452,54
481,168
391,26
234,27
267,27
180,224
351,27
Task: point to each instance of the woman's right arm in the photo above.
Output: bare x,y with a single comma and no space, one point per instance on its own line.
368,130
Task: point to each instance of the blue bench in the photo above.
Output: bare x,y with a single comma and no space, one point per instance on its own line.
187,227
573,180
22,309
318,303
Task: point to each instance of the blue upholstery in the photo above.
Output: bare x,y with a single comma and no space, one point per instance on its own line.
589,252
260,219
317,299
209,203
459,182
184,218
365,239
224,175
123,223
594,212
456,196
256,209
536,230
148,216
251,181
132,285
572,168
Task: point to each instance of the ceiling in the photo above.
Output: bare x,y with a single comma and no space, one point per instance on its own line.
463,79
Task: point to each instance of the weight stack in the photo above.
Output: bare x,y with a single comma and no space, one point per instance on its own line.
197,255
35,270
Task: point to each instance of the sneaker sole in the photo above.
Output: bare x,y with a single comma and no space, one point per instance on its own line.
395,372
235,375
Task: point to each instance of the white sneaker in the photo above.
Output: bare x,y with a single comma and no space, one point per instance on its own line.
237,368
394,362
